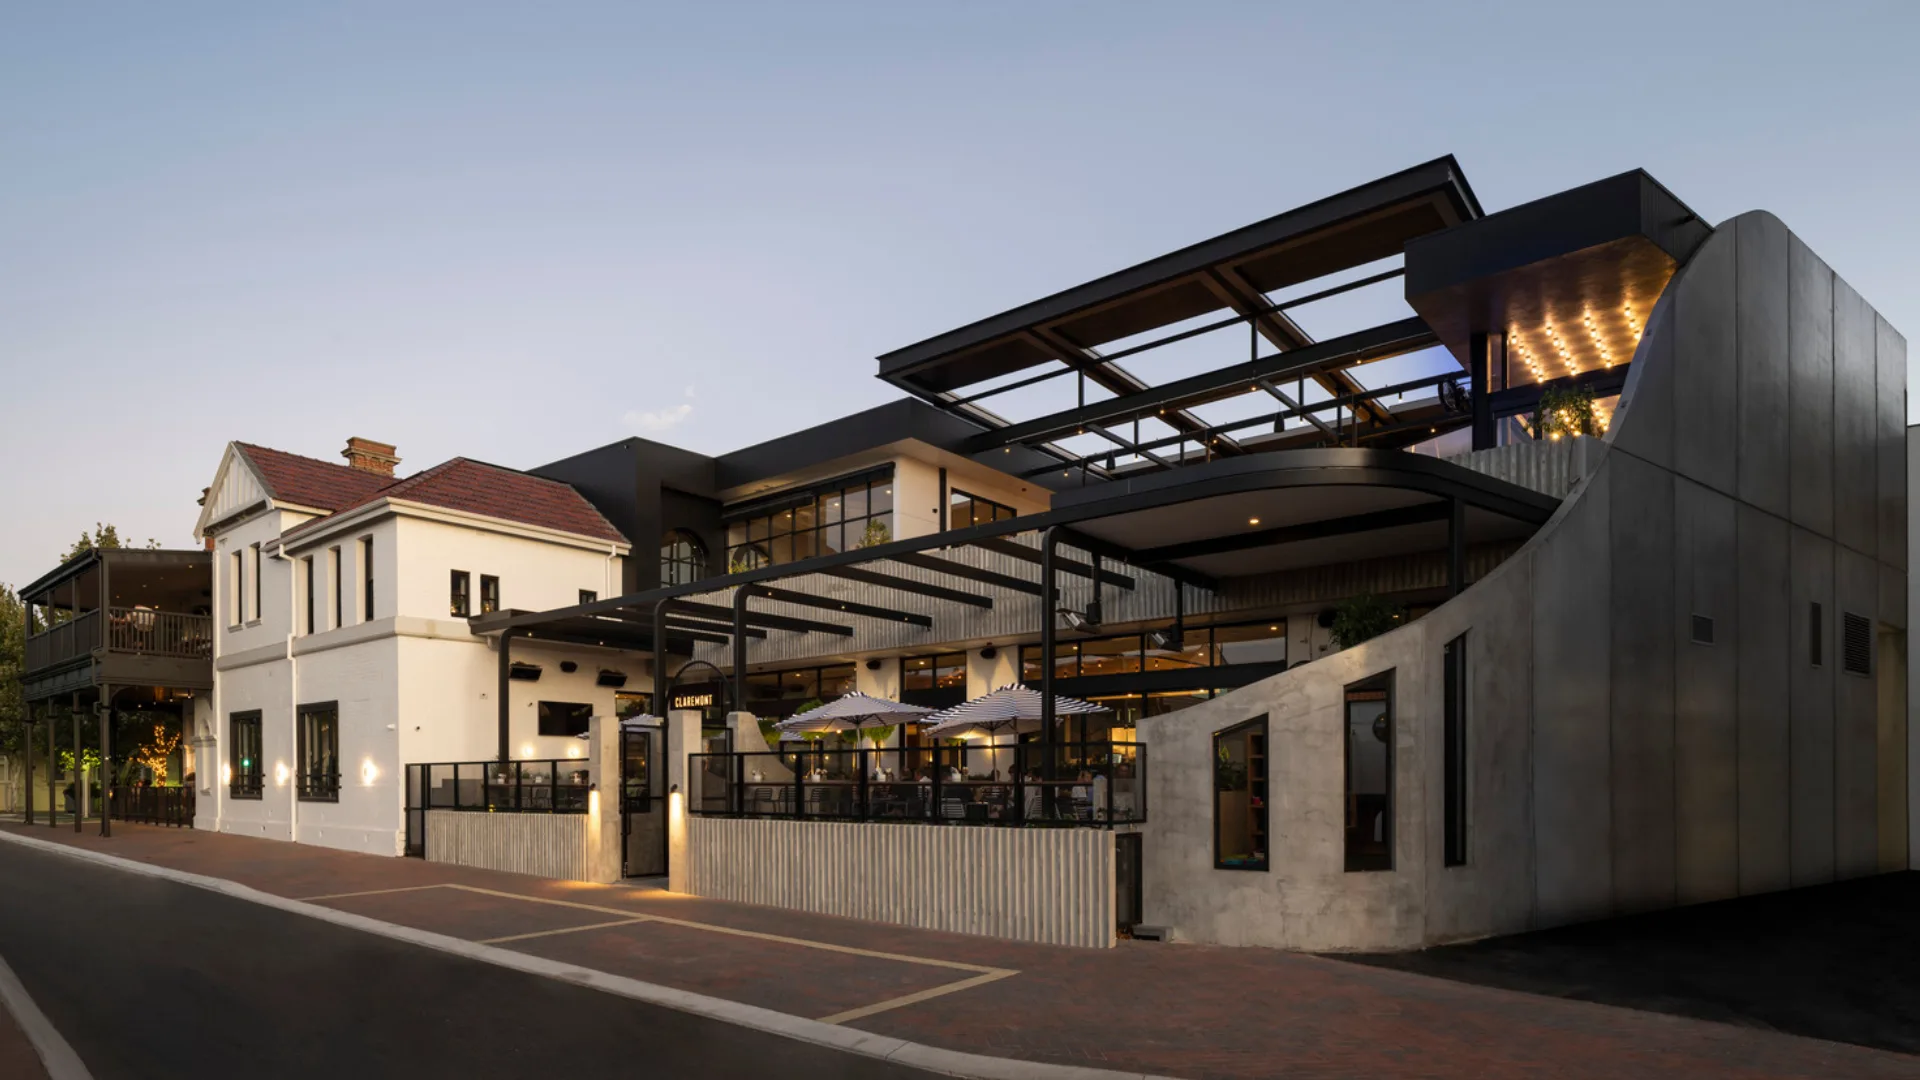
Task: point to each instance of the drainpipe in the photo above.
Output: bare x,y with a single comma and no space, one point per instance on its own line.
293,693
506,669
739,649
613,552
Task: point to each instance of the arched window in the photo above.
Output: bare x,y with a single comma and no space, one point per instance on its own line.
683,558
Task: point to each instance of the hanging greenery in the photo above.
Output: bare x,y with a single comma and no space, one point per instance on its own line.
1361,617
876,533
1565,411
770,732
878,735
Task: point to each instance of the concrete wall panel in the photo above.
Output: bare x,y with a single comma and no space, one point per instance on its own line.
1765,644
1760,321
1571,749
1890,406
1706,729
1705,437
1644,424
1810,405
1641,608
1855,732
1855,423
1810,736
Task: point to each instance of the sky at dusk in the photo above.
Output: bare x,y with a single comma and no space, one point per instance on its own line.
515,232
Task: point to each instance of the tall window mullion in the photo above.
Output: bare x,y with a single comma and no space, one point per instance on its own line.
1454,735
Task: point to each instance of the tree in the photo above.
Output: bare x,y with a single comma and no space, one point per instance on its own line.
13,667
1362,617
105,538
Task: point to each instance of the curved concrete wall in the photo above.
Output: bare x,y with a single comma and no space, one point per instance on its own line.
1756,466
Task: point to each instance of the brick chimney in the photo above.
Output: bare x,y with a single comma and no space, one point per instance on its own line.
369,456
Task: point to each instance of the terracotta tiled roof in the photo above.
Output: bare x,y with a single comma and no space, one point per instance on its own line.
307,481
491,491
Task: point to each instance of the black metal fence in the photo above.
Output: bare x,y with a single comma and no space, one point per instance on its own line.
153,805
1093,783
546,786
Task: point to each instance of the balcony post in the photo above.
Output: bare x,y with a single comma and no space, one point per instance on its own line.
106,760
79,771
1479,364
53,769
26,785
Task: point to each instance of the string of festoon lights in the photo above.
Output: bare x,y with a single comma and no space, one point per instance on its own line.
1560,346
1606,354
1526,354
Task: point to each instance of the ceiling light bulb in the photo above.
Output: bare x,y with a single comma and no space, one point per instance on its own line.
1253,521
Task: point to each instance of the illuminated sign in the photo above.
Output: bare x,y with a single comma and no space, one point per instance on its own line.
700,700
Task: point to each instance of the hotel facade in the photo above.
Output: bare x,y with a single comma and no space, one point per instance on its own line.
1451,574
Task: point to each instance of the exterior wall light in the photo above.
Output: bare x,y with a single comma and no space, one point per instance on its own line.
369,772
280,773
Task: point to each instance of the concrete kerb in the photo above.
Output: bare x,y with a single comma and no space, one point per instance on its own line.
850,1040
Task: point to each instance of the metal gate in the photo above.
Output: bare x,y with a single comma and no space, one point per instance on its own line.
643,800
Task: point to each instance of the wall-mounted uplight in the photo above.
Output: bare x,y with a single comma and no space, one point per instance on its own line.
280,773
369,772
226,773
1253,521
526,750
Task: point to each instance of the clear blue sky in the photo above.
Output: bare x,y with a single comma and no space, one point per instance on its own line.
513,233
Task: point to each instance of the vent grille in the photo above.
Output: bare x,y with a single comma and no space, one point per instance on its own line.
1856,644
1703,630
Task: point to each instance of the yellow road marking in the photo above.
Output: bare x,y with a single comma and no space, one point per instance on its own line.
916,998
983,974
562,930
369,892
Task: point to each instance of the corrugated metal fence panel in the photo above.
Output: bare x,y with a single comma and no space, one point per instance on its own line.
1053,886
1551,467
544,845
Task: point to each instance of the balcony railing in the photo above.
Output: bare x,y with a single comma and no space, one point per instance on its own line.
1095,783
159,633
138,630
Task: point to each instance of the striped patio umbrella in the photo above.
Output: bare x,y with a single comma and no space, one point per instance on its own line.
1017,707
855,710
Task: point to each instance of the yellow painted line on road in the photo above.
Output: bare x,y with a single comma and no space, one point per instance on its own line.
369,892
916,998
562,930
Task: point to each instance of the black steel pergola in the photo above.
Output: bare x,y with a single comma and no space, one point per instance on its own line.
1421,498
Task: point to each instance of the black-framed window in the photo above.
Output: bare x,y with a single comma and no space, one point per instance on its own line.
338,586
489,594
253,556
245,775
459,594
1369,773
588,596
935,681
1454,766
776,695
628,703
317,771
306,573
237,602
1816,632
564,717
840,515
964,509
1261,642
1240,805
366,578
683,558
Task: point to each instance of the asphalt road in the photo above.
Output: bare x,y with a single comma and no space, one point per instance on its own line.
149,979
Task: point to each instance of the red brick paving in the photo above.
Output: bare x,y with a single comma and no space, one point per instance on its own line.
1180,1010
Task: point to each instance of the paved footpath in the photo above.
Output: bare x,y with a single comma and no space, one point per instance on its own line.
18,1061
1178,1010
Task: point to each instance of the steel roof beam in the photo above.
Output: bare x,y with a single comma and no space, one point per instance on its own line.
1003,546
851,607
949,567
1399,517
918,588
762,619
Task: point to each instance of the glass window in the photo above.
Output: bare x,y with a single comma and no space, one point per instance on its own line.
802,685
244,772
564,718
489,594
458,603
836,681
1257,643
317,778
306,590
1454,723
1110,656
1240,797
916,673
366,579
339,594
935,681
683,558
588,596
964,509
1369,770
628,703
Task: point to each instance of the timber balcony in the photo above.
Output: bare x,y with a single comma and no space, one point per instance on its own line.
139,631
121,618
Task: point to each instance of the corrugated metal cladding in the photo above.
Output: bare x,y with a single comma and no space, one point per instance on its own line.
543,845
1053,886
1015,615
1551,468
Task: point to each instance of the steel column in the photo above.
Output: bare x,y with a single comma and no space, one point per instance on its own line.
1049,602
1479,364
740,648
506,675
53,769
